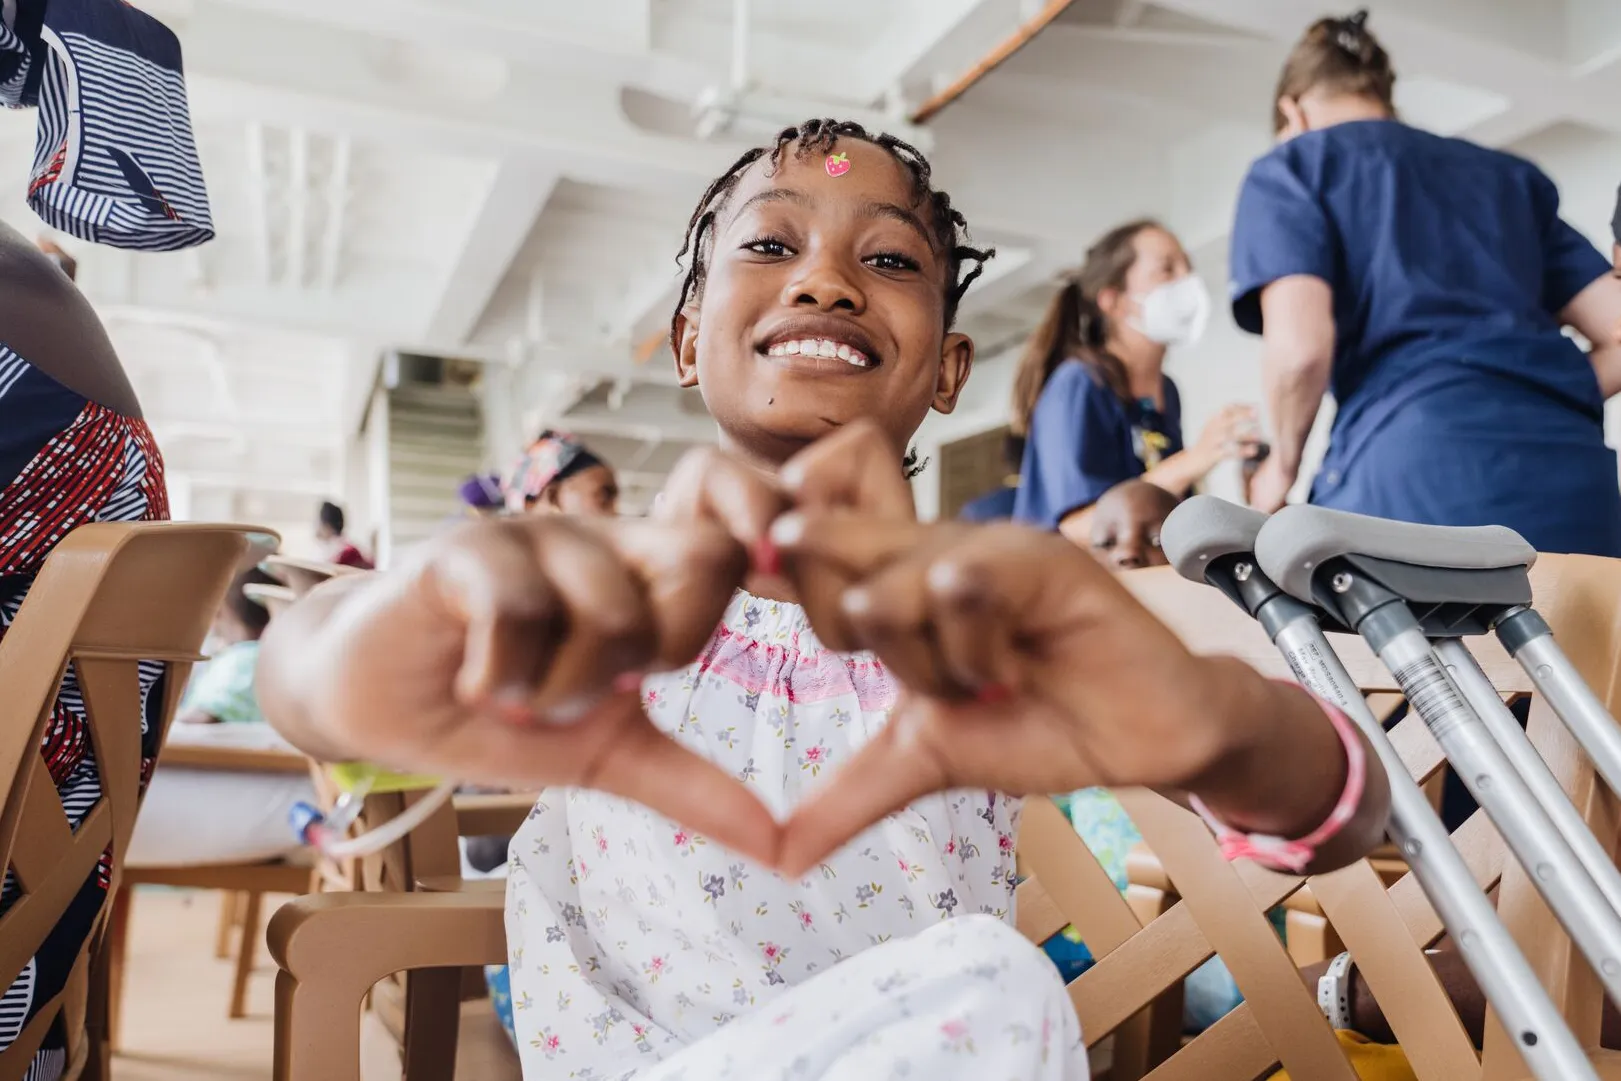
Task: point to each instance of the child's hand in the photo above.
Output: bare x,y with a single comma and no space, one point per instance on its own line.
854,469
512,653
1028,669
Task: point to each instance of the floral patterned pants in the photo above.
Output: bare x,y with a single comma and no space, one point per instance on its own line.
969,998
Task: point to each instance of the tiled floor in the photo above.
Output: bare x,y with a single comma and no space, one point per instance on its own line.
175,997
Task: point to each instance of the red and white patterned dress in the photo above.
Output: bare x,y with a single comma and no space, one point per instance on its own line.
66,461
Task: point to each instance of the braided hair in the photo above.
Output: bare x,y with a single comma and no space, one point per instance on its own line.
809,139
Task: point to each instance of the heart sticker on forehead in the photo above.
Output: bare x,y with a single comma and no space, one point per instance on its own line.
838,164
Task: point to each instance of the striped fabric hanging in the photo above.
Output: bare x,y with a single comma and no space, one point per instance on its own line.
115,161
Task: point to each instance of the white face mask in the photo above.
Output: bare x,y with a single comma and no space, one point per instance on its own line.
1174,313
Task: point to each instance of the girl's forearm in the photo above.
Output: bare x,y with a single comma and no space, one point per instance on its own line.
1284,767
292,645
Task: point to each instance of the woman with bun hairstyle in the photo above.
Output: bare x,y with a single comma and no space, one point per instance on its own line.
1423,281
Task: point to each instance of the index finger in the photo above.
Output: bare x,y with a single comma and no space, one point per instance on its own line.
855,543
857,466
710,485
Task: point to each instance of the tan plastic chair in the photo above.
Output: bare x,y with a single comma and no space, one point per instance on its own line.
109,596
419,1006
1144,953
242,885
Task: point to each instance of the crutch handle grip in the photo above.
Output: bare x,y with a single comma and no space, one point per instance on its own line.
1203,529
1299,539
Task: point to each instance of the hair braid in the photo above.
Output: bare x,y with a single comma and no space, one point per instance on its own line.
819,136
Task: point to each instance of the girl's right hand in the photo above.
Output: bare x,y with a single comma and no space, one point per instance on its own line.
1232,433
512,653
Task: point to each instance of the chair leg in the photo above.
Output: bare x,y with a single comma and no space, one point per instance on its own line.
114,949
433,1001
244,955
230,914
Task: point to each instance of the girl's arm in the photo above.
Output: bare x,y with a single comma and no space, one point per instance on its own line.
1297,357
292,647
1284,767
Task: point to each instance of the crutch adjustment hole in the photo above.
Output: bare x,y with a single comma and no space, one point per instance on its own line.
1544,672
1545,872
1528,1038
1610,967
1484,781
1413,848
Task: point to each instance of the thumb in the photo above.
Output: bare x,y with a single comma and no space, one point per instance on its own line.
489,582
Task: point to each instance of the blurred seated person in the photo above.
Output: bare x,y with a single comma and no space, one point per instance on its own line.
73,450
336,547
1126,523
997,504
194,816
559,475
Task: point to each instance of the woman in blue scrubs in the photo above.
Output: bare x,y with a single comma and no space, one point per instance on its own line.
1425,282
1091,400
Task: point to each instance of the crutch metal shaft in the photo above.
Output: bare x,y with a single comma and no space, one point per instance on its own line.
1482,696
1209,540
1530,641
1488,950
1485,769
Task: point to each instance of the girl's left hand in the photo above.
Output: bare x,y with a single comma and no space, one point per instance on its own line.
1028,668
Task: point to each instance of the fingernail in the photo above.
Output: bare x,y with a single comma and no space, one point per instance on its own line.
512,706
628,682
788,530
767,560
792,476
944,577
572,711
856,602
993,693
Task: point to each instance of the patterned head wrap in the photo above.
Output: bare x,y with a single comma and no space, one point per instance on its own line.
553,457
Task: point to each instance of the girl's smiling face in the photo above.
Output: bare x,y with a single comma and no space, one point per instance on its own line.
824,303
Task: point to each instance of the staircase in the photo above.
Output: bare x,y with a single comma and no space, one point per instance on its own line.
435,441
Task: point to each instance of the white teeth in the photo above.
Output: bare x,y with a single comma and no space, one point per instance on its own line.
821,347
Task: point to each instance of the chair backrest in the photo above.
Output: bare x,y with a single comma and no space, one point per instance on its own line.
113,600
1222,906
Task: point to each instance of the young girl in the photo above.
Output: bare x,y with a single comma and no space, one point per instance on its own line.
825,276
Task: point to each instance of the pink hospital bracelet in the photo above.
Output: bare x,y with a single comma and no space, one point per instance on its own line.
1282,854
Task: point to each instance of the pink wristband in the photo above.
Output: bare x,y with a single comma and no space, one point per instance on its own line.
1282,854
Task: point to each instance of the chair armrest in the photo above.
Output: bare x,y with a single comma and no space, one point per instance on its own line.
492,814
333,947
231,759
358,938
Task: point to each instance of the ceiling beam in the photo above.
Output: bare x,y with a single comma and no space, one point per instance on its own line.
249,65
513,201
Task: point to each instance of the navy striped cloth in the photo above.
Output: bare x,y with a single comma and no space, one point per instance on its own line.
115,161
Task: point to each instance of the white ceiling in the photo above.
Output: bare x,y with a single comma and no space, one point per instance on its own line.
508,179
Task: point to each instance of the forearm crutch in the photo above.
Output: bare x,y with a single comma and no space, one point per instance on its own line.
1399,585
1212,541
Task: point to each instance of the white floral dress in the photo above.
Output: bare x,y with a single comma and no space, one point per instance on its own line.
633,940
